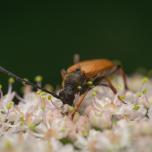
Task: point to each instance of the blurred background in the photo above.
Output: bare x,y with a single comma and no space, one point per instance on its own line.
41,37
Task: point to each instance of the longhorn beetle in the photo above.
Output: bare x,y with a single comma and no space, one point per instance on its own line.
80,78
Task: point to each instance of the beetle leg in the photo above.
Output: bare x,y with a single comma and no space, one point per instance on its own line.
114,90
122,73
111,86
78,104
76,58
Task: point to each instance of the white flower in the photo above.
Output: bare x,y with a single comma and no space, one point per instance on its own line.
106,121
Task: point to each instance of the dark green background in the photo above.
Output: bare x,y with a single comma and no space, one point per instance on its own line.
41,37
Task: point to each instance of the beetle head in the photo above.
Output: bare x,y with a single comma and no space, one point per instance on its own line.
73,83
67,96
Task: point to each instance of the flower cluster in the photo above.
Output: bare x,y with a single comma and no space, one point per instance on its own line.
106,121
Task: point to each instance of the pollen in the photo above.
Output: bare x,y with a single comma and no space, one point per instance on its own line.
11,80
38,78
90,83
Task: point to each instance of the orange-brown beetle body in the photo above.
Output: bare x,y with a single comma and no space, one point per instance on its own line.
92,67
82,76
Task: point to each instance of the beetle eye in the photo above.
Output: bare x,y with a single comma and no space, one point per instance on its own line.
79,87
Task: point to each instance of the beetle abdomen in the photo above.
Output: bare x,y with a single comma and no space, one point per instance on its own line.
92,67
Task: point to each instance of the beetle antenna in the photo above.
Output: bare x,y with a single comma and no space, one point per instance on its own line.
3,70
